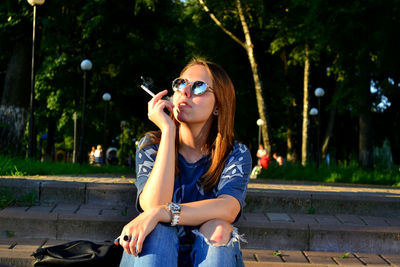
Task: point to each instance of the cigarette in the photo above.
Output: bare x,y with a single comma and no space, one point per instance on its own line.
147,90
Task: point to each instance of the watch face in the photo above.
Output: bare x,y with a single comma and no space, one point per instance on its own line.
173,207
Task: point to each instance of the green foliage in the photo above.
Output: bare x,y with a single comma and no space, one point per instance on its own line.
17,172
9,233
126,40
131,131
340,173
383,156
6,198
124,212
27,199
345,255
311,210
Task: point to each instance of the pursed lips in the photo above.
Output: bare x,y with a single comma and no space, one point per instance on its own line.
183,104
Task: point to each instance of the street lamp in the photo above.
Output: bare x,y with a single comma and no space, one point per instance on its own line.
260,123
32,141
106,98
319,92
313,112
86,65
75,118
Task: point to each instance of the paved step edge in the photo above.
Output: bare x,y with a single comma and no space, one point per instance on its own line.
257,200
267,235
367,239
94,223
70,192
321,203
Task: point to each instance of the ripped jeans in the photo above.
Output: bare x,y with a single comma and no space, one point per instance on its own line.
161,248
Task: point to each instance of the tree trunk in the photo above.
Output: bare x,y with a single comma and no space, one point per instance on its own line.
366,149
304,144
51,130
394,115
365,141
366,153
249,47
15,99
291,154
329,132
262,107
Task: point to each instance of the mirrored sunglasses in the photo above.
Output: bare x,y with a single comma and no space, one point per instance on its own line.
197,87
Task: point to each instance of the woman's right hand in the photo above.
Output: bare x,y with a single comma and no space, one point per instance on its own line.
140,227
156,111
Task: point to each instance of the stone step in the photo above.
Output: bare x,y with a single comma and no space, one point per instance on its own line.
315,198
65,221
273,231
261,197
74,192
16,252
341,232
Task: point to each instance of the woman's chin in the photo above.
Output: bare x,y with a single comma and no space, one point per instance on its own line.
180,116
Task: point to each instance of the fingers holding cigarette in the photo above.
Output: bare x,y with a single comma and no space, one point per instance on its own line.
147,90
151,93
157,101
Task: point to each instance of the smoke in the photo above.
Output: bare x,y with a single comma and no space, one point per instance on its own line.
147,81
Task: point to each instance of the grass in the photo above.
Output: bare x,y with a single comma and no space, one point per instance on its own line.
28,167
341,173
7,198
333,174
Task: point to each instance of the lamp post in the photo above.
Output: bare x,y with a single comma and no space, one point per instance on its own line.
313,112
319,92
86,65
260,123
106,98
32,141
74,117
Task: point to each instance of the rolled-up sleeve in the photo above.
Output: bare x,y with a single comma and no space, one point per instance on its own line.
145,158
236,173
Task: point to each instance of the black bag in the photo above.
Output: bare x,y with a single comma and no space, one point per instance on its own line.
79,253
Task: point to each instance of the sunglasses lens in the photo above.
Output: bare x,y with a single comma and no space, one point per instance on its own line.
199,88
178,84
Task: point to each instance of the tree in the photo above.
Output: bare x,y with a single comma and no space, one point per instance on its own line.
142,41
16,33
297,32
356,64
249,47
304,143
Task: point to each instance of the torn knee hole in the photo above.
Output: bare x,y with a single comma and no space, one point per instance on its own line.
216,241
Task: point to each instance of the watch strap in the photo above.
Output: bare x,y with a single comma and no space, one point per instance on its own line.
175,211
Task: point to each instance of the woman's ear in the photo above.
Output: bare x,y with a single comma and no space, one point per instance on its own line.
215,112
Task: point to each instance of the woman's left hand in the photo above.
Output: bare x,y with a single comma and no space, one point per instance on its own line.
140,227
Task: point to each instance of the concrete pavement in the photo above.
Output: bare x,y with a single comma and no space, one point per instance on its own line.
309,224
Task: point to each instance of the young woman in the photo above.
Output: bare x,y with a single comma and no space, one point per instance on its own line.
191,176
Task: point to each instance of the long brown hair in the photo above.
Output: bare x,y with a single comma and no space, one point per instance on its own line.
219,141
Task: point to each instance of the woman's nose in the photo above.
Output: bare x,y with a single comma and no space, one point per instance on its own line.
187,91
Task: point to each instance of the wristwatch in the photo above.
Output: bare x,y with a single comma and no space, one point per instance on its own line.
175,210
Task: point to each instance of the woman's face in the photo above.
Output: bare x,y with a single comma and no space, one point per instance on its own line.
189,108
